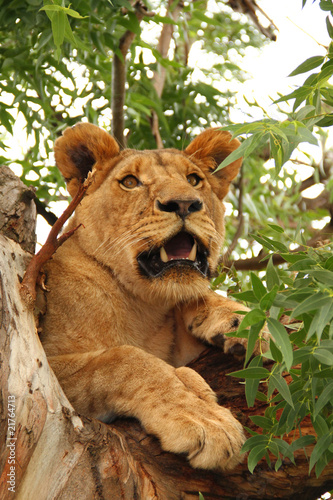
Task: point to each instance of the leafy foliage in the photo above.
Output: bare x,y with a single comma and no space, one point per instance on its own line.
56,65
304,293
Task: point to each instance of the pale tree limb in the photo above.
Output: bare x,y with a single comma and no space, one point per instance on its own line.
119,77
160,74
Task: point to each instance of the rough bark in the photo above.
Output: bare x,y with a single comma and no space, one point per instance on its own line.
61,455
17,210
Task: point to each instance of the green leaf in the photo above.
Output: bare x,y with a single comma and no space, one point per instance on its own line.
253,441
258,287
272,276
276,228
308,65
247,296
251,318
327,121
321,318
282,340
329,263
263,422
64,10
301,93
326,5
275,352
324,276
326,373
322,445
324,356
255,456
329,27
320,425
325,397
251,373
244,150
265,242
251,385
302,442
311,303
268,299
252,338
279,383
58,28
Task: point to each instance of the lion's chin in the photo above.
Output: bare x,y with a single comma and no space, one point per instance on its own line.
180,256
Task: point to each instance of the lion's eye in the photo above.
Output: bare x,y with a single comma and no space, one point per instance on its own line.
130,182
194,179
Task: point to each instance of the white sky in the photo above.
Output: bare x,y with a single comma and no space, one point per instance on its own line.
277,60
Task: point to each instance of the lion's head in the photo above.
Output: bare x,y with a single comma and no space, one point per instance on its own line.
155,218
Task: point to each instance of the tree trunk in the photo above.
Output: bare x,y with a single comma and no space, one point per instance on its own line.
47,451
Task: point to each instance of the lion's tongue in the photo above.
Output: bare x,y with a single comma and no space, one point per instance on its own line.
179,247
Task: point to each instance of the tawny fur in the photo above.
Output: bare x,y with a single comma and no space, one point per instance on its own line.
117,339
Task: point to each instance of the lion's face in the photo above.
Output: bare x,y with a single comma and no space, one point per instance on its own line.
155,218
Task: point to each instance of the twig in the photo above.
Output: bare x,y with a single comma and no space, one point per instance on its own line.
50,217
28,285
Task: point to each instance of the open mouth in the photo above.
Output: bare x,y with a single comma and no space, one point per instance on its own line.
180,251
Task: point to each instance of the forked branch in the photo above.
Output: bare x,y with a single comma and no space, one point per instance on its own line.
53,242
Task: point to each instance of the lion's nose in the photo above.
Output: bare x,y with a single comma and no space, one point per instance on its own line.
181,207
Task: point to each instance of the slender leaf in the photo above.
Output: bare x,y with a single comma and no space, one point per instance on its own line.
279,383
325,397
308,65
251,373
311,303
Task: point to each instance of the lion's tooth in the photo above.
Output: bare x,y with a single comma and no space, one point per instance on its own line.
193,253
163,255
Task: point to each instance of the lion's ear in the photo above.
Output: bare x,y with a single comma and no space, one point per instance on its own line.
210,148
82,148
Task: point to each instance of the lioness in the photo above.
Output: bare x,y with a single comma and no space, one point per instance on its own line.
129,302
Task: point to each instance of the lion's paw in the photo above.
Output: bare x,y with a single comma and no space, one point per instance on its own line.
213,326
211,437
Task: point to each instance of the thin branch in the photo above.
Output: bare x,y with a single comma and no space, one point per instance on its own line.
324,236
250,8
50,217
323,174
53,242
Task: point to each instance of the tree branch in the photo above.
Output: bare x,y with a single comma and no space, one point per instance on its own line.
53,242
258,263
50,217
160,73
119,77
250,7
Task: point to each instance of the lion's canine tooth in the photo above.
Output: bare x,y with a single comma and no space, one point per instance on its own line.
163,255
193,253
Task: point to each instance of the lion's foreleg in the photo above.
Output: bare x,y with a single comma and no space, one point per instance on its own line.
175,405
